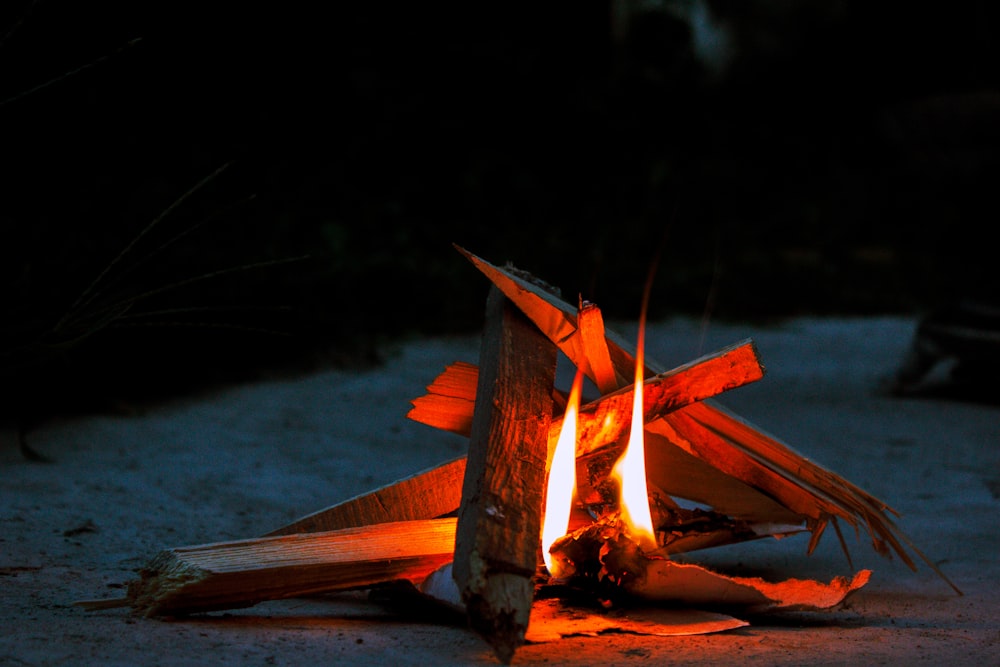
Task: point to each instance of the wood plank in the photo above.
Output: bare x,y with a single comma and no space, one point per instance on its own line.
430,494
241,573
499,520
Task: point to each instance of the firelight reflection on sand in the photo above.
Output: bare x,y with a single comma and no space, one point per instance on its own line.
562,475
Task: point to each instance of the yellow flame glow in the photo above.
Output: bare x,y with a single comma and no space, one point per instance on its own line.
562,475
630,470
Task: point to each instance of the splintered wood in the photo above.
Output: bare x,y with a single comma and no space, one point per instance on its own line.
229,575
499,520
487,561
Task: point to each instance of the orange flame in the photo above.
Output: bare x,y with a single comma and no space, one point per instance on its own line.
630,470
562,475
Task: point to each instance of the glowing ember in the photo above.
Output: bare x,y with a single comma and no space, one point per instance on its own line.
562,476
630,470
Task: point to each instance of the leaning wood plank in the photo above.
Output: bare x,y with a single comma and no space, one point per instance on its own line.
753,460
429,494
599,421
229,575
499,520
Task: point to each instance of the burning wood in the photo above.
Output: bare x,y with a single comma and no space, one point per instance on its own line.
488,562
735,448
602,559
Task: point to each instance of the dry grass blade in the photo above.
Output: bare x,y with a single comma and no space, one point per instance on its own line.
65,75
91,291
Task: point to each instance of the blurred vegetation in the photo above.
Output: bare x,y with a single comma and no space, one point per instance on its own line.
818,158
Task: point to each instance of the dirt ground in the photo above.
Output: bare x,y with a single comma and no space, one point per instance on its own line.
241,462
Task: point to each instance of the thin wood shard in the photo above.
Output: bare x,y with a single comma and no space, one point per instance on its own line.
450,400
499,521
429,494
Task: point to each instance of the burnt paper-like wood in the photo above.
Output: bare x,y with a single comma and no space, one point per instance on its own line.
499,521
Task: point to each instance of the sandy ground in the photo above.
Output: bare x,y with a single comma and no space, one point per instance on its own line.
241,462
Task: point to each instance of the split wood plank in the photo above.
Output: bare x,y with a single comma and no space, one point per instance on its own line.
499,520
430,494
241,573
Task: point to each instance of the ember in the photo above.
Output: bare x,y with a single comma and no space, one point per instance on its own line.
713,478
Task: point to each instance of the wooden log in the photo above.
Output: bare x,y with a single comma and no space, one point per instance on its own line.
241,573
429,494
499,521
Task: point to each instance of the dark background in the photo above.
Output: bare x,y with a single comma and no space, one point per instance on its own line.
840,159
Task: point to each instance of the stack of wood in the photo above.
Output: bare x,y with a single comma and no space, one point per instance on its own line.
480,516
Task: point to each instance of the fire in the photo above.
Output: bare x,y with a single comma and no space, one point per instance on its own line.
562,475
630,470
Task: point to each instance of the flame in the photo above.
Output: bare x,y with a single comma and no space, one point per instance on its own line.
562,475
630,470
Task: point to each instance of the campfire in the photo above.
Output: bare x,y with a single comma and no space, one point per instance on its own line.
564,509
